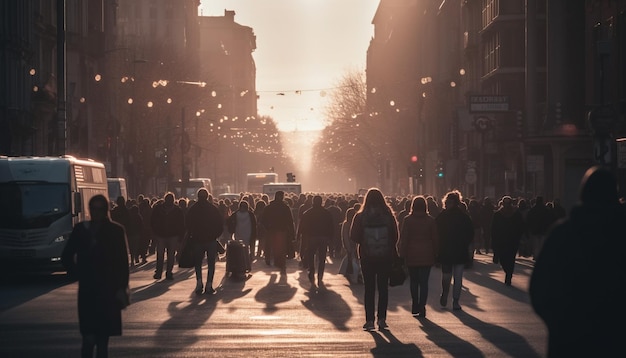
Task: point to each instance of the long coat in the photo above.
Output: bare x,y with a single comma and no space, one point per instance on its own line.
99,258
456,232
506,231
419,241
578,284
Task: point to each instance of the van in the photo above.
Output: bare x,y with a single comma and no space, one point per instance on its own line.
117,187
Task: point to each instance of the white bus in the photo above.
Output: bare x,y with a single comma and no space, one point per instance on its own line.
41,199
255,181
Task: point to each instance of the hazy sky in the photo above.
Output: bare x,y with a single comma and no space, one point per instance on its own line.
302,45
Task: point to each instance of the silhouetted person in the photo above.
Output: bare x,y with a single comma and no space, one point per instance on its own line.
579,281
278,222
97,254
375,230
506,231
456,233
317,231
168,226
418,245
538,220
242,224
204,227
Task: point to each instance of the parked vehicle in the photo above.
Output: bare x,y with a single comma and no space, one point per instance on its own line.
41,199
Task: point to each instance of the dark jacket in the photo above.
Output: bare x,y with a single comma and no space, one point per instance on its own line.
167,221
456,232
316,222
277,218
419,241
204,222
100,262
358,228
506,230
578,284
539,219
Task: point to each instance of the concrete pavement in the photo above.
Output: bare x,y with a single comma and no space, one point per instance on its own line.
267,315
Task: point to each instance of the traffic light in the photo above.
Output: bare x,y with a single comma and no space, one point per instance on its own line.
291,177
439,170
414,167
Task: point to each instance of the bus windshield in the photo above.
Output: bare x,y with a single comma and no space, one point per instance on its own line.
32,205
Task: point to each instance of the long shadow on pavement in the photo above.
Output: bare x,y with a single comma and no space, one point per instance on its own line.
276,291
447,340
509,342
387,345
329,305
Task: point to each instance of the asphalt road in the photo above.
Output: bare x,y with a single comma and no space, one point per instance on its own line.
267,315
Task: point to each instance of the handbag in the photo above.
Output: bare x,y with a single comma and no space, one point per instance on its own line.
186,257
397,276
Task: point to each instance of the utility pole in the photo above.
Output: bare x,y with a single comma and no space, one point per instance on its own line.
61,135
183,146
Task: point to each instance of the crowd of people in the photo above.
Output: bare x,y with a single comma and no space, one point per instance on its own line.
368,233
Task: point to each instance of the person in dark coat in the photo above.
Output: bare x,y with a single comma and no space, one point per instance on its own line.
316,229
168,226
146,245
486,216
97,254
506,231
578,283
418,246
134,233
456,233
278,223
204,227
538,220
375,212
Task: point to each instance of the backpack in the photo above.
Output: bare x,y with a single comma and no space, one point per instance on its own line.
376,243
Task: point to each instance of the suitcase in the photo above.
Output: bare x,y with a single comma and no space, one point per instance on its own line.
237,257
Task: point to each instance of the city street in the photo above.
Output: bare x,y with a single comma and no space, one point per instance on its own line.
266,316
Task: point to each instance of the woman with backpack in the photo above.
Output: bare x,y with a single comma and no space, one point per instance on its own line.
375,230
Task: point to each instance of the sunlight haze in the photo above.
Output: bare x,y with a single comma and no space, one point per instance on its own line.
303,48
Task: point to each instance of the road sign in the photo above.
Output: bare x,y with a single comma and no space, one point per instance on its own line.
488,103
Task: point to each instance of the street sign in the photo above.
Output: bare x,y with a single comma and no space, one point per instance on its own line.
488,103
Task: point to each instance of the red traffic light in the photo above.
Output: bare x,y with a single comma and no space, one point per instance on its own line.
414,159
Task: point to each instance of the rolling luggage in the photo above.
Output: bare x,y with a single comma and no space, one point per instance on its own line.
237,257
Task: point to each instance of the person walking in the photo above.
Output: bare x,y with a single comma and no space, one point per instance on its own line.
539,219
145,210
204,227
316,229
242,224
456,233
506,232
578,283
375,230
168,226
350,264
133,234
97,254
418,246
278,222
